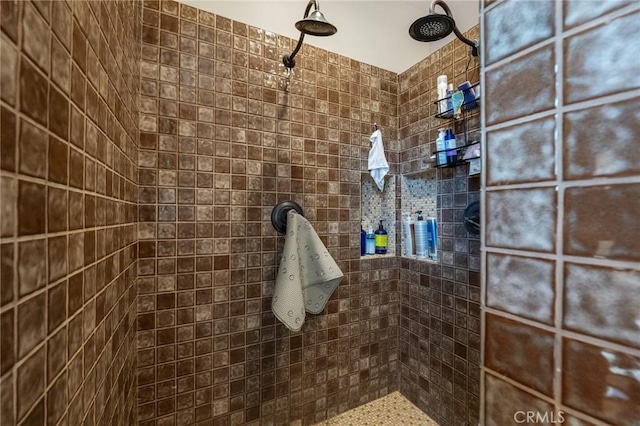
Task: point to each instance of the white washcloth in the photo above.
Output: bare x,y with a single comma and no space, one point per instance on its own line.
378,164
307,276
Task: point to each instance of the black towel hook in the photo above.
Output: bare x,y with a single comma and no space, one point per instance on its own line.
279,214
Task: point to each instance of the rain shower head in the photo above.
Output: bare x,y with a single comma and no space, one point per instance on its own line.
315,24
436,26
432,27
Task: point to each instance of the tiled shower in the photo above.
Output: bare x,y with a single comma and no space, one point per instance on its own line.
144,144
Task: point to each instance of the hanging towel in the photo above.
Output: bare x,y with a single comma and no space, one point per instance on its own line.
378,164
307,275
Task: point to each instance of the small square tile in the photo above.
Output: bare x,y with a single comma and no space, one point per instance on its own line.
608,312
606,232
33,150
57,250
58,113
8,205
61,23
585,131
522,153
524,219
33,92
522,286
10,18
532,75
604,42
503,401
7,341
511,27
529,358
31,324
7,273
58,159
56,209
32,268
57,400
9,71
608,370
36,36
575,13
56,306
30,382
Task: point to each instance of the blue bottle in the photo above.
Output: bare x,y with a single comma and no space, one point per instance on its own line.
363,241
450,146
370,247
432,237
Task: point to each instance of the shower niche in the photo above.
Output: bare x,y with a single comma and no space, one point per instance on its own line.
377,206
418,192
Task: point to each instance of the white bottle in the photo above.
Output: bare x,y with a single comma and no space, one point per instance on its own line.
422,242
449,109
442,93
407,245
441,156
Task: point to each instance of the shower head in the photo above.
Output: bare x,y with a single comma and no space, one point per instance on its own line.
432,27
436,26
315,24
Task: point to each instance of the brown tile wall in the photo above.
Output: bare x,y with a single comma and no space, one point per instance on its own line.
561,283
224,137
439,334
68,190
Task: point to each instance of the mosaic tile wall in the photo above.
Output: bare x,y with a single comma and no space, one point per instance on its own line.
562,280
378,206
439,334
224,137
68,189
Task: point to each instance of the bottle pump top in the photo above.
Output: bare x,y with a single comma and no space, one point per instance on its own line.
420,215
380,228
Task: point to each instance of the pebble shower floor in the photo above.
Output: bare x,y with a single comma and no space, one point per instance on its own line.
391,410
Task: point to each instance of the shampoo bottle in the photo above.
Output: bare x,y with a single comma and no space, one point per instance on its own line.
450,145
381,239
407,234
363,241
422,248
432,236
441,155
442,93
449,112
371,242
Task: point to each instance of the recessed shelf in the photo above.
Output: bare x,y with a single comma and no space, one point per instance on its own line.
377,256
428,260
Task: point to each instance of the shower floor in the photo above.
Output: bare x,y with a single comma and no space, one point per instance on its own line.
390,410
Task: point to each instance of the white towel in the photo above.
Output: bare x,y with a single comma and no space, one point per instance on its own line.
378,164
307,275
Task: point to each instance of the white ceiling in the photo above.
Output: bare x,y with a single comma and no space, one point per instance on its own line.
373,31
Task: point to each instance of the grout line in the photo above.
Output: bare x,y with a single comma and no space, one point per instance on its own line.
593,261
567,184
483,205
560,189
594,22
578,106
564,333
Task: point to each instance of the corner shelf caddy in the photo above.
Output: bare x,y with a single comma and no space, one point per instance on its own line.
448,115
